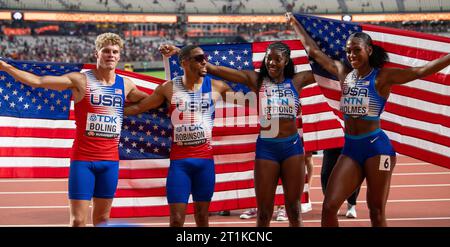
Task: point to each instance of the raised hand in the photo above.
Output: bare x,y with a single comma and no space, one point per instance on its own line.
168,50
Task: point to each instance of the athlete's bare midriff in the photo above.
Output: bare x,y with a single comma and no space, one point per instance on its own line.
287,128
355,126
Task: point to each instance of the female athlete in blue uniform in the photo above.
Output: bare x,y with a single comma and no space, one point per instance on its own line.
367,151
279,148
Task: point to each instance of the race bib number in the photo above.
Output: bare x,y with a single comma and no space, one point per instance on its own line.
106,126
190,135
385,163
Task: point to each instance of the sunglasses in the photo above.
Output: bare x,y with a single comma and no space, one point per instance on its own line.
200,58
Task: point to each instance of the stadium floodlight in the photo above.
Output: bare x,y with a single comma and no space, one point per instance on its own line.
347,18
17,16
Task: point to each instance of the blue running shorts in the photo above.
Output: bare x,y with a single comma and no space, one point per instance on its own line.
279,149
89,179
190,176
365,146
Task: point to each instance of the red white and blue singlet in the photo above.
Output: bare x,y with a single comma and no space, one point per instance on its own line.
192,115
360,98
98,117
278,100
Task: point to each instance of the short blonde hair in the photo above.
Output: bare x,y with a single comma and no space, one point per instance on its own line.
108,38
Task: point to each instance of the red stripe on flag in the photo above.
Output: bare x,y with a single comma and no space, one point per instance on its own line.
324,144
35,152
421,154
421,115
262,46
422,95
135,192
417,133
410,51
34,172
235,167
322,125
143,173
234,149
316,108
401,32
225,131
37,132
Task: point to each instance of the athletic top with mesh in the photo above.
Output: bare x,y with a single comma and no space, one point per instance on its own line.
192,115
98,117
278,100
360,98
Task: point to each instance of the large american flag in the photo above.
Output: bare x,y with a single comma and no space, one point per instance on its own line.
417,115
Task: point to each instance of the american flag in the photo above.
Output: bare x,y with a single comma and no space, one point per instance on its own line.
417,115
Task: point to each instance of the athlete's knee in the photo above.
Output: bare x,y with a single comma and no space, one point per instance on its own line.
264,215
330,207
202,215
293,209
376,211
100,219
177,219
201,218
77,221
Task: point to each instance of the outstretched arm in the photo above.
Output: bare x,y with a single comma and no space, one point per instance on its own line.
151,101
246,77
334,67
400,76
63,82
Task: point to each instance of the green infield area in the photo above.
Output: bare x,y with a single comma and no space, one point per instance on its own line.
158,74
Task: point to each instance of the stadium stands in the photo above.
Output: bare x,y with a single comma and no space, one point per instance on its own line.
232,6
73,42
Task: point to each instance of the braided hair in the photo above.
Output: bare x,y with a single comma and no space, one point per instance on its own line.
289,69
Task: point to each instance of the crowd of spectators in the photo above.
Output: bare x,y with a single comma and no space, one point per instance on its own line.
74,42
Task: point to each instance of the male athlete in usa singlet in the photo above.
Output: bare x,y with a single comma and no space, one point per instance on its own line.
191,158
98,117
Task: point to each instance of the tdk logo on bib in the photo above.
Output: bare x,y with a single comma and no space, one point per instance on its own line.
103,118
107,126
106,100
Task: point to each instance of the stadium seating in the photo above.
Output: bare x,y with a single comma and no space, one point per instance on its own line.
230,6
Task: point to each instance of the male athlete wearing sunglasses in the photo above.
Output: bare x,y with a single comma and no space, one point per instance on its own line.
192,98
